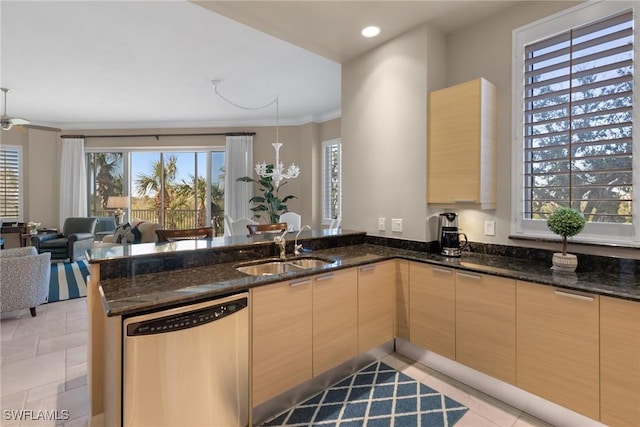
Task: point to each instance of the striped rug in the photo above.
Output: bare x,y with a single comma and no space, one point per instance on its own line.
68,280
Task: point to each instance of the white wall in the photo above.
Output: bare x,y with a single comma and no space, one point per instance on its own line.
384,108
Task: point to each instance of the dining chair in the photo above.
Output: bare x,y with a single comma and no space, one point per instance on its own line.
267,228
239,226
185,234
292,219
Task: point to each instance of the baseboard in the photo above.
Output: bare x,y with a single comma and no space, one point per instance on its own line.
531,404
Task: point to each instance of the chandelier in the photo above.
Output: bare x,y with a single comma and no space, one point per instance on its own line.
276,171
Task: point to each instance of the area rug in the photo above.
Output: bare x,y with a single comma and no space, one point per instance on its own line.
68,280
376,396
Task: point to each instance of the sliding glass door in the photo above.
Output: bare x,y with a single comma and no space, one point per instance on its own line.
176,189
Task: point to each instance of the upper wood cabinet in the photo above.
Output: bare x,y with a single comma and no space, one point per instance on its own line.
461,145
558,346
619,362
376,301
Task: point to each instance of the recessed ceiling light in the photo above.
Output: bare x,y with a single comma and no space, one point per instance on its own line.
370,31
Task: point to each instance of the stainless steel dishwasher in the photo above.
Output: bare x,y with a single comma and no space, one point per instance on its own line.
188,366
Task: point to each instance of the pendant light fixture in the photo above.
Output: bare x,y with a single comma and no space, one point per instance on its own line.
276,171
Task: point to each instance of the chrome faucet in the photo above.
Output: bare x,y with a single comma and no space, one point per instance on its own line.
296,246
282,244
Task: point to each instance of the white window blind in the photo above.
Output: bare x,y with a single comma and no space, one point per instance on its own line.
578,120
10,188
331,180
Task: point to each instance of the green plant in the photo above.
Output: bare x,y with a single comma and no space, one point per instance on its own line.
270,203
566,222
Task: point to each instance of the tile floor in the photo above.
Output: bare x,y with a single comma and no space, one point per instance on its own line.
43,366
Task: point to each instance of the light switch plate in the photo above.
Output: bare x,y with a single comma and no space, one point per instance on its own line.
382,224
489,228
396,225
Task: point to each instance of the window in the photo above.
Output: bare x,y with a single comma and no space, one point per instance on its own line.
169,188
11,183
574,115
331,180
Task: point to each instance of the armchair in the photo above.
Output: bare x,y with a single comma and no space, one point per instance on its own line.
24,279
76,238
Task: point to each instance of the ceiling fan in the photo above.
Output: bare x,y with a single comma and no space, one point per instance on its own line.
7,122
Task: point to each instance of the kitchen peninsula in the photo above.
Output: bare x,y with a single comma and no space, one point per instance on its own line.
133,279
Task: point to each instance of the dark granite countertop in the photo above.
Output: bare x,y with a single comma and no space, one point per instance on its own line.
148,292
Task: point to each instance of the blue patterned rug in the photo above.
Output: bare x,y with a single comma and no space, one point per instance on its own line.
68,280
376,396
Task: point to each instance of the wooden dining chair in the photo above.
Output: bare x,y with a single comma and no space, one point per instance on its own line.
186,234
267,228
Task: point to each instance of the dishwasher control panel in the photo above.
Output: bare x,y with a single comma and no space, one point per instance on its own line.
186,320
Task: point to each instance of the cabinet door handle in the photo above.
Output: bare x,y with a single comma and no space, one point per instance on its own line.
469,276
325,277
441,270
572,295
300,282
367,267
464,201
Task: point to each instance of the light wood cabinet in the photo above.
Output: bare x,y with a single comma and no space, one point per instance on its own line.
376,300
619,362
461,145
432,308
486,324
335,319
402,300
558,346
281,337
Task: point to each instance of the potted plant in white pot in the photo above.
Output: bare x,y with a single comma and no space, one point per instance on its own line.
565,222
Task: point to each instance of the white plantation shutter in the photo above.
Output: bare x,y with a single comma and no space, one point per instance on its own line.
10,183
331,180
578,121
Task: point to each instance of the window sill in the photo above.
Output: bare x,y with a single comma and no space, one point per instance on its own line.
571,241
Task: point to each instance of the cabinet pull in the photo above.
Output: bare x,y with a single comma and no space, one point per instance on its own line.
464,201
572,295
325,277
367,267
300,282
441,270
469,276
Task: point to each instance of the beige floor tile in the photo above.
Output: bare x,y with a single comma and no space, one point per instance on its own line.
23,375
46,390
7,328
75,402
63,342
19,345
76,355
78,422
76,376
13,401
471,419
45,326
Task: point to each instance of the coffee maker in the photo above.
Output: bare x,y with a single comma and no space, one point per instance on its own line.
450,235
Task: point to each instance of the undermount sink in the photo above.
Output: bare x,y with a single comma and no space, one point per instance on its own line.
271,267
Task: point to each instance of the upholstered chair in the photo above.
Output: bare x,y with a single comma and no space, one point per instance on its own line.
76,238
293,220
24,279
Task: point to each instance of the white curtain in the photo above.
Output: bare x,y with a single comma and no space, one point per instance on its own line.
73,180
238,162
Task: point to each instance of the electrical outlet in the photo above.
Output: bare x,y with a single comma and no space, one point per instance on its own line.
489,228
382,224
396,225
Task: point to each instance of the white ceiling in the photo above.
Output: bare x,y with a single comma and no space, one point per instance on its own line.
149,64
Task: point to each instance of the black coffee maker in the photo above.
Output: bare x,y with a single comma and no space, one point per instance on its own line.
450,235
